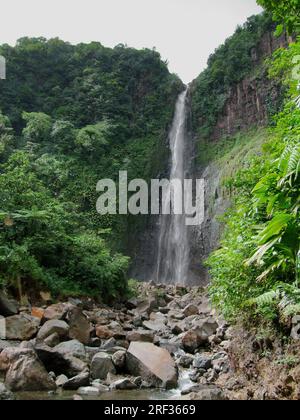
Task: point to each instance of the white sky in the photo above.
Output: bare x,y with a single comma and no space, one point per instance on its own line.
185,32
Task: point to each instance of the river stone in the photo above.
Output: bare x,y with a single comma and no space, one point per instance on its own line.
140,335
208,394
60,363
147,306
101,366
123,384
8,307
190,310
79,325
21,327
25,372
73,347
61,380
53,340
119,359
103,332
154,364
202,362
5,394
81,380
89,391
56,311
54,326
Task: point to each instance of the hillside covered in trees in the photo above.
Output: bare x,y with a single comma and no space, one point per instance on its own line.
70,116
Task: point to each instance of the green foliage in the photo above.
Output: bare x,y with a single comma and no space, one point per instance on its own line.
285,11
230,63
80,113
257,268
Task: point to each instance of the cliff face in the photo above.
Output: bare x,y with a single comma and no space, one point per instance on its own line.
251,101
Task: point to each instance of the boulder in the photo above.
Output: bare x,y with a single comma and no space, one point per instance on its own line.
89,391
37,312
8,307
73,348
156,323
24,371
21,327
53,340
101,366
56,311
123,384
80,380
61,380
119,359
147,306
103,332
202,362
140,335
191,341
60,363
185,361
154,364
190,310
61,328
208,394
79,325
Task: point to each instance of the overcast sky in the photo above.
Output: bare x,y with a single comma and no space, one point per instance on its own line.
185,32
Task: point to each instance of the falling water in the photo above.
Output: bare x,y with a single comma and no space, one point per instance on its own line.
173,247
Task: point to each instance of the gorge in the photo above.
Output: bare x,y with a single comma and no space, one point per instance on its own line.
103,305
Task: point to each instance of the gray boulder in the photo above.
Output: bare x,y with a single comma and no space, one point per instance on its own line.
101,366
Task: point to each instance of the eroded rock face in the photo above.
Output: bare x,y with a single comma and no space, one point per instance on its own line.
154,364
24,371
21,327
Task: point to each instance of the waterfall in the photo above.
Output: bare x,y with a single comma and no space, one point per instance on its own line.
173,245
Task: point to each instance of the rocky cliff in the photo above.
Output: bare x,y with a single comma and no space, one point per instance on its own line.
251,101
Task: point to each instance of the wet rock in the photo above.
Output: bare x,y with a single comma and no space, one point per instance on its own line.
190,310
89,391
61,380
77,398
140,335
8,307
80,380
185,361
79,325
21,327
72,347
123,384
155,365
5,394
24,371
61,328
202,362
100,386
101,366
119,359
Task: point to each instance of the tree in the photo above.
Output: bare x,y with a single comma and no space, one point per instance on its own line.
285,11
